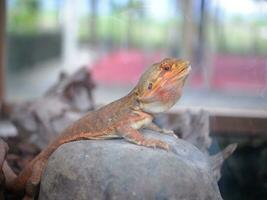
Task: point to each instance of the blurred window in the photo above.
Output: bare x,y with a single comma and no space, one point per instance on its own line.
225,42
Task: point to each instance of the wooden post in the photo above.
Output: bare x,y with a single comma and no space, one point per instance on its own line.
2,47
93,22
188,29
70,35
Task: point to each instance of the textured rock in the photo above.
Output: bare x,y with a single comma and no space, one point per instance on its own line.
40,121
116,169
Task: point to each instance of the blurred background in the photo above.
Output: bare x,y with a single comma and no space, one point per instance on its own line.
225,41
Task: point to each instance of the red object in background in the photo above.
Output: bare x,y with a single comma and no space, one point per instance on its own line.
123,67
229,72
234,73
246,73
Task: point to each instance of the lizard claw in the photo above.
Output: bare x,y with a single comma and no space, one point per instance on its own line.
169,132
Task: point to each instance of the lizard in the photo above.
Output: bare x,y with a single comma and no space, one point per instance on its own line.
158,89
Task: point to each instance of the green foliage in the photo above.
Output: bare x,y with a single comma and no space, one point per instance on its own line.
243,38
23,17
129,24
237,36
25,51
146,32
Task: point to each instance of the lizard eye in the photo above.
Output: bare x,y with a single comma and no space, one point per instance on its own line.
150,86
167,68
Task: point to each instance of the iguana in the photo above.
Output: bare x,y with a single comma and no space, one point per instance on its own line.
158,89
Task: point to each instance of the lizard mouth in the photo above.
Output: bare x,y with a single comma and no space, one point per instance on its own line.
175,77
181,73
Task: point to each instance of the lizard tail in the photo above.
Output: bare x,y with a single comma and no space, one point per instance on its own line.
16,183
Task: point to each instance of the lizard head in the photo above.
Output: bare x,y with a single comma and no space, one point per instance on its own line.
160,87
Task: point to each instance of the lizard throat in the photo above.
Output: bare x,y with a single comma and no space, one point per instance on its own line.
155,107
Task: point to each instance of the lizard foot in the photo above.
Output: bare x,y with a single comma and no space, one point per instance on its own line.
169,132
155,144
136,137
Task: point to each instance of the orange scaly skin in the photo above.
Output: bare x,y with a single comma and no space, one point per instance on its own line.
159,88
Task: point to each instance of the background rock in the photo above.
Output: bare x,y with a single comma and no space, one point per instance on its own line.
192,126
116,169
41,120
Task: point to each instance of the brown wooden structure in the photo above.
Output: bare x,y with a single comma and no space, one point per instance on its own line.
234,122
2,47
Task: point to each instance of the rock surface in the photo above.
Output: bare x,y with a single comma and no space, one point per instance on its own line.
116,169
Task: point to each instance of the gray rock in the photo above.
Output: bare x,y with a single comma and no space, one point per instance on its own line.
116,169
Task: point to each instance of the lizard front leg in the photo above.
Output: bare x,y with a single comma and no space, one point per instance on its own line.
154,127
134,136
